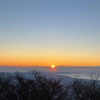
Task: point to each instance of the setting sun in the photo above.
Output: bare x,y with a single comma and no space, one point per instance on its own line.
52,66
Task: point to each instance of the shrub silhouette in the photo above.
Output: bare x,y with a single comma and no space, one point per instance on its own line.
17,87
85,90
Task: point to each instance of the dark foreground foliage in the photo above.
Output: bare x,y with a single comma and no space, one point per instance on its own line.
17,87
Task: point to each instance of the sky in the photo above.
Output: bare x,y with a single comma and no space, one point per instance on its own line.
46,32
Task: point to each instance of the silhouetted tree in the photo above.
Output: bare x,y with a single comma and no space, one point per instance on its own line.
85,90
17,87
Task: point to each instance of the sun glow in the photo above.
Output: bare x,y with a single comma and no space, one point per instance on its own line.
53,66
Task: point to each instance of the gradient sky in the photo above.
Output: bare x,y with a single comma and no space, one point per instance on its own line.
34,33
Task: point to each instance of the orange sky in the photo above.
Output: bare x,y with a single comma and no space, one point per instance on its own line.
42,59
64,32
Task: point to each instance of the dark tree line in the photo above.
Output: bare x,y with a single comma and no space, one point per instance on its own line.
17,87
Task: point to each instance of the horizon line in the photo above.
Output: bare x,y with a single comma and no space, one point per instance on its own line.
50,65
